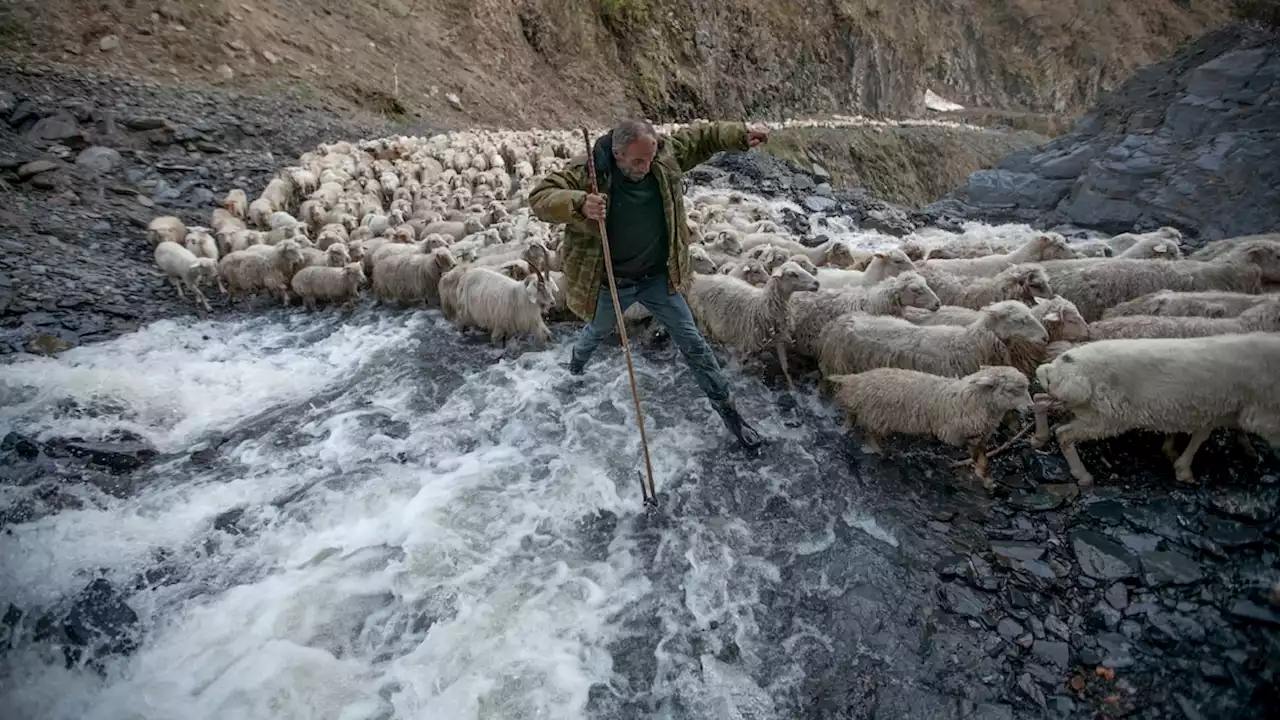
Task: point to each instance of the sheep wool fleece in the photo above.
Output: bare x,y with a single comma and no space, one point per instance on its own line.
558,198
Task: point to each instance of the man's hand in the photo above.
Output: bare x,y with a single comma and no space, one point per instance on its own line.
593,207
757,137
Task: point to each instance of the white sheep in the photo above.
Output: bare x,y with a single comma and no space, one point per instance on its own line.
1123,242
166,228
492,301
700,261
201,243
1179,385
406,278
963,412
1059,316
751,272
328,284
855,343
1020,282
1153,248
456,230
1171,303
1263,317
884,264
237,203
259,210
750,319
183,268
1046,246
811,312
268,269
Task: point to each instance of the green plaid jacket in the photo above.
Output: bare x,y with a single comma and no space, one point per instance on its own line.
558,198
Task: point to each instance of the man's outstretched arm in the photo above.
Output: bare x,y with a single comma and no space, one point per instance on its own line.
695,146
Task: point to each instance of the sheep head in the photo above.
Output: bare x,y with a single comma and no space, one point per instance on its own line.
1012,320
1025,283
433,241
1007,388
791,278
839,254
1263,317
203,270
445,260
338,255
1263,253
1052,246
515,269
538,290
701,261
353,273
472,226
911,290
1061,318
506,232
728,242
913,249
804,262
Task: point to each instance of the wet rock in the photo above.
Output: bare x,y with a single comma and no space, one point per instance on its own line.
1116,651
1249,610
98,159
1057,654
1230,534
1117,596
1251,506
48,345
816,203
1031,690
19,444
1009,629
1169,568
1056,627
114,456
1102,558
1046,497
108,43
980,575
228,521
1103,617
100,619
952,566
1008,551
1139,543
961,601
36,167
1107,511
1171,629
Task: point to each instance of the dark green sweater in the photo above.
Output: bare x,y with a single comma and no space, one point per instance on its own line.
637,226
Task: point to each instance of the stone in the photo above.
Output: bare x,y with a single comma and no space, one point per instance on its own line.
60,127
821,172
224,73
1107,511
1057,654
961,601
1116,651
1102,558
952,566
1025,641
36,167
47,345
1031,690
1003,188
980,575
1009,629
22,445
108,43
7,103
815,203
1008,551
1064,165
1171,629
101,619
1038,501
1249,505
454,101
271,57
1138,543
124,456
1169,568
1056,627
1117,596
1230,534
1103,617
98,159
143,123
1249,610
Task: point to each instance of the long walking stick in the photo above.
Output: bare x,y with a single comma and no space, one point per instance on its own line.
648,492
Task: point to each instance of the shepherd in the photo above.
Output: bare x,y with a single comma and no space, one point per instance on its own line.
641,201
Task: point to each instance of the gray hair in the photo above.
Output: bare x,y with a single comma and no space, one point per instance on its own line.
630,130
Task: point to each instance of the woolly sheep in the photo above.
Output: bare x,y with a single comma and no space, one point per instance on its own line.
492,301
1153,249
700,261
456,230
166,228
201,243
750,319
516,269
278,193
811,312
944,315
751,272
1058,315
1093,249
855,343
1179,385
183,268
1171,303
1263,317
237,203
1047,246
1123,242
883,265
958,411
1020,282
268,270
1095,286
328,284
408,278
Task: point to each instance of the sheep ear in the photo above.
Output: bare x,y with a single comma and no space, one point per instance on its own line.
987,381
1052,317
1040,301
880,254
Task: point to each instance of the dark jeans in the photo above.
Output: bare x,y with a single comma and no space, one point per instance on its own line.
669,309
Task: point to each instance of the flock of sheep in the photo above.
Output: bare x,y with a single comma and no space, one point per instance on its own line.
937,334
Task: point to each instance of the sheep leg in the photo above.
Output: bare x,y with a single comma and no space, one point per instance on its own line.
871,443
781,349
1242,438
1068,435
1169,449
201,299
178,285
1182,466
978,454
1042,402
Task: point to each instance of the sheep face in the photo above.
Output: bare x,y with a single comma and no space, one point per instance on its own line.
444,259
1011,319
1006,387
913,249
1264,254
700,261
895,260
539,292
1031,282
793,279
337,255
1053,246
727,242
915,292
840,255
472,226
515,269
433,241
1062,320
353,273
1264,317
804,262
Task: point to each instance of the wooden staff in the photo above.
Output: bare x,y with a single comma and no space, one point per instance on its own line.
648,492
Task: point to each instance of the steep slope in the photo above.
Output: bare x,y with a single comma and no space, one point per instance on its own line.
1192,142
551,62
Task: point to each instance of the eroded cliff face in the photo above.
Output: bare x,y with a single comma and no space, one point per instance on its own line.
552,62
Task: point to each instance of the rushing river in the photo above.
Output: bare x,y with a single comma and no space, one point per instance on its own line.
390,520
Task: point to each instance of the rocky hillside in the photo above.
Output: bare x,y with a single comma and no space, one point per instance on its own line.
1192,142
552,62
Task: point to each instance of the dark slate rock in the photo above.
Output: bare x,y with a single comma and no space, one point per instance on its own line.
100,160
1117,596
1138,542
115,456
1169,568
1102,558
1056,627
1249,610
1230,534
99,617
19,444
961,601
1057,654
1009,629
952,566
1008,551
1162,517
1116,651
1249,505
1107,511
1171,629
819,204
980,575
1031,690
1103,617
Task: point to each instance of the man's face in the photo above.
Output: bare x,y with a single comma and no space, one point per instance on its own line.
633,160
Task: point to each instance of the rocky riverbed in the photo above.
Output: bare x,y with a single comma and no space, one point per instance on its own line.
1136,598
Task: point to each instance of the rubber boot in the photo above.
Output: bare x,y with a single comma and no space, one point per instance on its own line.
747,436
